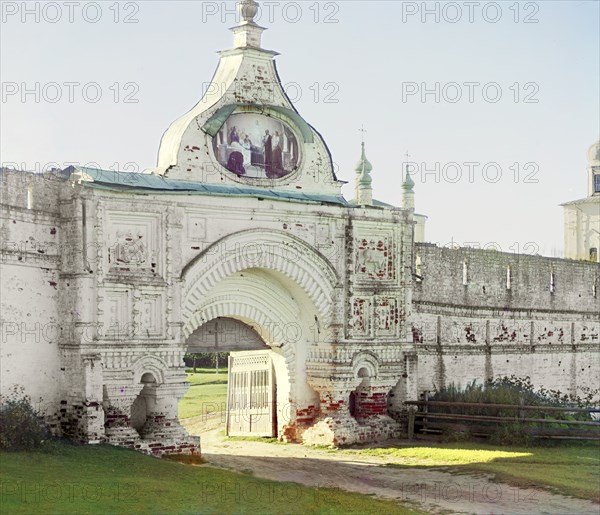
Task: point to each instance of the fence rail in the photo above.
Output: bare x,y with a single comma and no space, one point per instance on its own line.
424,421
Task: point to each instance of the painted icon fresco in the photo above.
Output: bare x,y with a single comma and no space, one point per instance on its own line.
256,146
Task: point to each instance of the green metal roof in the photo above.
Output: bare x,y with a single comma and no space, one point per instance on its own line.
144,183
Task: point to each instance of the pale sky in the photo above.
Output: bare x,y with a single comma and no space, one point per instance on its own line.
372,59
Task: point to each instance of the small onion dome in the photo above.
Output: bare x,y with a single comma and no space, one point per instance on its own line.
594,153
365,181
408,183
363,165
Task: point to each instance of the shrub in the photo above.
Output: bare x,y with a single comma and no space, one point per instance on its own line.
21,427
513,391
511,434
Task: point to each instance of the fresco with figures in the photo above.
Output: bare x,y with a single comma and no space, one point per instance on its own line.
257,146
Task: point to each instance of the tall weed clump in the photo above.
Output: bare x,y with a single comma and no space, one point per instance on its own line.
21,426
514,391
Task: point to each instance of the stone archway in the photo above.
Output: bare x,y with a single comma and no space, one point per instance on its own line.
143,414
261,300
278,285
356,405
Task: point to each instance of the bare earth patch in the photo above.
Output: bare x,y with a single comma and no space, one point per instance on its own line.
434,490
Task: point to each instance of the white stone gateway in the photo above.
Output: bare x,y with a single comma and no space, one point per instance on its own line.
339,312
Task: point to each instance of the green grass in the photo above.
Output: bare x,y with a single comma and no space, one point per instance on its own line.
436,457
571,469
207,393
108,480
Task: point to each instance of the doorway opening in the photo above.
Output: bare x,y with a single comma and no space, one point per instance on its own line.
210,349
358,396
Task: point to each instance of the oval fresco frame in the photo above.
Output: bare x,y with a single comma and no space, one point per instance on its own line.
264,148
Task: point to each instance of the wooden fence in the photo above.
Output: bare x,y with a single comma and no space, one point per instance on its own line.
434,417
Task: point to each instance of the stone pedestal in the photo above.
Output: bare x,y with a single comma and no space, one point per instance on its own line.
159,431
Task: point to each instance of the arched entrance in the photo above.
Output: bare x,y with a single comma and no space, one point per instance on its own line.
284,290
257,315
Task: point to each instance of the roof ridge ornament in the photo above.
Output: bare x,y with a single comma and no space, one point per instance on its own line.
248,10
364,190
247,34
408,184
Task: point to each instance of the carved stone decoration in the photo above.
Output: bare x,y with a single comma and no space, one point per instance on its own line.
361,317
135,243
116,322
373,258
152,314
130,249
387,317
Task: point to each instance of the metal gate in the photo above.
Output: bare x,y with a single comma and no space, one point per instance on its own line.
250,394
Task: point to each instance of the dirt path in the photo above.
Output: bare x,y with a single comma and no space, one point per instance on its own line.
434,490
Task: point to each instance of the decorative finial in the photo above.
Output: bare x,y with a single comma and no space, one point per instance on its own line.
408,184
248,10
363,166
247,33
364,191
363,131
407,155
408,194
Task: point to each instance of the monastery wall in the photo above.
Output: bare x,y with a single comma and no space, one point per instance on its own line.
101,286
479,314
110,297
30,229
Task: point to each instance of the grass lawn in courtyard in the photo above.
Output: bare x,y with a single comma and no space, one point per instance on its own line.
207,393
570,469
108,480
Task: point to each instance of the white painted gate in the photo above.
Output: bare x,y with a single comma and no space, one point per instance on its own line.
250,394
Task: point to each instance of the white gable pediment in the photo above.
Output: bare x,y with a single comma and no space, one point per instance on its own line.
246,131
